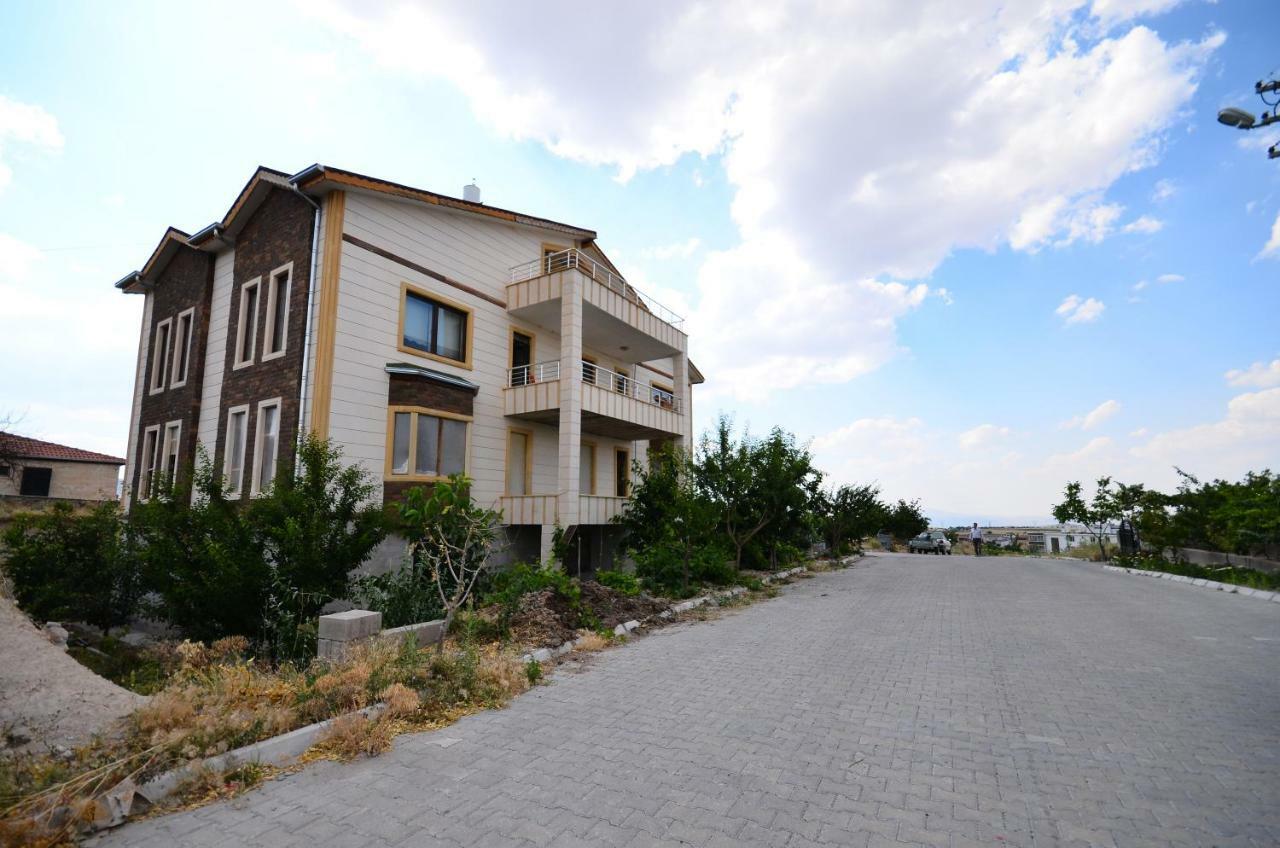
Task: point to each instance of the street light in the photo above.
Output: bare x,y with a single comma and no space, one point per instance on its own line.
1242,120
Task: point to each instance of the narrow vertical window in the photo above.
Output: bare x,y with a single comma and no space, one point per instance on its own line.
587,469
150,452
182,348
518,459
247,324
521,358
266,450
233,449
160,355
277,335
170,451
400,443
622,475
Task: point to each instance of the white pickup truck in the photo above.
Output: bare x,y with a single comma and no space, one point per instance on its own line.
930,542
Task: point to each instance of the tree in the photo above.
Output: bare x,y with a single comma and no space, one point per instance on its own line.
1095,515
788,488
905,519
451,538
726,474
850,513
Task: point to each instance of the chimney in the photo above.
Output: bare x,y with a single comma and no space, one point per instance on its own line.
471,192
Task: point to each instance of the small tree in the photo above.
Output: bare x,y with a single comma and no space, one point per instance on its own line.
1095,515
850,513
451,538
905,520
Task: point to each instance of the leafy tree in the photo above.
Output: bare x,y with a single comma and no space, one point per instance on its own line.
850,513
451,538
1094,515
905,519
725,474
69,567
788,489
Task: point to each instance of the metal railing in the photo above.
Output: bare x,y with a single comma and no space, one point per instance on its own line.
574,258
594,375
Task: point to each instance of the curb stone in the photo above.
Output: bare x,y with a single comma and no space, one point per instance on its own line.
1229,588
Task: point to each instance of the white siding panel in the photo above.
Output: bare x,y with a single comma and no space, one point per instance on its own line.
144,343
215,351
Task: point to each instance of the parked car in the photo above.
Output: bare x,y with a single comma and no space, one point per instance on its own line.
930,542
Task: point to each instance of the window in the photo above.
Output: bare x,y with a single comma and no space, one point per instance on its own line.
247,324
277,313
587,469
622,472
425,444
35,482
555,257
521,358
662,396
169,448
182,348
233,448
519,462
6,470
266,446
150,455
160,355
430,326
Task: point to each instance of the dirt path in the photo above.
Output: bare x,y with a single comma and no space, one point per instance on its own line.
42,689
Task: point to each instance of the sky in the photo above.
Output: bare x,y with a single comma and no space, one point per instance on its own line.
969,251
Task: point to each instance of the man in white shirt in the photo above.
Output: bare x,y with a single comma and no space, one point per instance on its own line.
975,536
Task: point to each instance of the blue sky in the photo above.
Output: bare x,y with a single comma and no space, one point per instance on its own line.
874,225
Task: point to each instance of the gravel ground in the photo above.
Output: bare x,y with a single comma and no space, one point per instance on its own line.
42,689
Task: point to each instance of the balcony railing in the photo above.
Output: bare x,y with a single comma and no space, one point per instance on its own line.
573,258
594,375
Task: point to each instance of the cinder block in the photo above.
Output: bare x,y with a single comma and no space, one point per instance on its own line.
350,625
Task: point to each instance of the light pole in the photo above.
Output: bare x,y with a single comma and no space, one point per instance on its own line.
1240,119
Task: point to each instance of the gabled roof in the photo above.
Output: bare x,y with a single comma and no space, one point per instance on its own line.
24,447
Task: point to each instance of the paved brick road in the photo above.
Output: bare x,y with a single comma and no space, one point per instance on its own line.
912,700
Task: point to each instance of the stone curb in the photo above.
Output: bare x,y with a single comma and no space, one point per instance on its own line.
1229,588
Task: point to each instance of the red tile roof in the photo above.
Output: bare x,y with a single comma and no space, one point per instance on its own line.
22,447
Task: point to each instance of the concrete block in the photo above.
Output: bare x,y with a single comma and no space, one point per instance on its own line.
425,633
630,625
620,630
350,625
541,655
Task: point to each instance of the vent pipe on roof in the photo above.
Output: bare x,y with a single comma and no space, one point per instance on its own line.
471,192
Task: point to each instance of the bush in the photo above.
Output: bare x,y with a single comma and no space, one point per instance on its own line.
404,596
1237,576
69,567
506,588
619,581
661,569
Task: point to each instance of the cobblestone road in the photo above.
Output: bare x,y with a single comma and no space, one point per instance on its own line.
942,701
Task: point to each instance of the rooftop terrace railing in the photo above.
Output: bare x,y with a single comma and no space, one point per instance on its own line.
574,258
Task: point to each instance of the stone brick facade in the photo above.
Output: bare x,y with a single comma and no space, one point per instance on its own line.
279,232
185,283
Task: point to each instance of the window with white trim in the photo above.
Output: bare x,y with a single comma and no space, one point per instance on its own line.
425,444
182,348
150,455
277,334
169,452
266,446
233,449
247,323
160,355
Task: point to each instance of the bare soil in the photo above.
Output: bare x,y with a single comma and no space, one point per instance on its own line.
544,619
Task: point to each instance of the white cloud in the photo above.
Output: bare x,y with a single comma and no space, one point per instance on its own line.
1139,433
1077,310
1111,12
1164,189
1094,417
1140,285
25,124
1247,438
1271,249
1259,375
678,250
944,295
1011,131
17,258
1145,224
983,435
1170,278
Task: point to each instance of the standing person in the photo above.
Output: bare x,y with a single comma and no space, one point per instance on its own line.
975,536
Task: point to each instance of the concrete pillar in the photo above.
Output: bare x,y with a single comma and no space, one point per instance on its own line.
684,398
544,548
570,397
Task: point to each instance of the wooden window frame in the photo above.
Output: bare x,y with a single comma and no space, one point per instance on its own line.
254,482
176,452
183,356
528,462
269,333
160,356
241,325
410,476
511,351
236,490
622,483
594,466
469,325
147,471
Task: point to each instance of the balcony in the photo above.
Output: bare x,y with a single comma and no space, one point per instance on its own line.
616,317
613,404
544,509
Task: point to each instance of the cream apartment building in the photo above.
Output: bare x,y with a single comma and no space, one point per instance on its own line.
424,334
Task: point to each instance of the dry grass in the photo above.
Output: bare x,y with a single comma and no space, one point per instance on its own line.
353,735
590,642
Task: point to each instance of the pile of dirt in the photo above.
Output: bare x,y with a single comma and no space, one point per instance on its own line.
545,619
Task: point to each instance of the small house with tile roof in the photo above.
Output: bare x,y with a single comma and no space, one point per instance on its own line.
32,468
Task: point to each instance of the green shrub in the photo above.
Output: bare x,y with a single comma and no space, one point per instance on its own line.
404,596
1236,576
509,586
69,567
661,569
619,581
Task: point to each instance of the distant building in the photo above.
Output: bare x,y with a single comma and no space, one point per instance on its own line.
31,468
